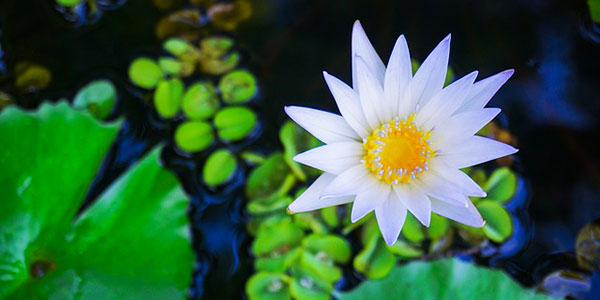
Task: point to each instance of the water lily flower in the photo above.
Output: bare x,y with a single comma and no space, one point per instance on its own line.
401,140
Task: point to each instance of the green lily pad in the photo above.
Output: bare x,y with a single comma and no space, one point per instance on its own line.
193,136
235,123
170,65
412,229
375,260
98,97
442,279
48,161
267,179
501,185
332,246
281,236
176,46
238,87
305,286
319,265
145,73
200,101
219,167
498,226
295,140
268,286
277,261
167,97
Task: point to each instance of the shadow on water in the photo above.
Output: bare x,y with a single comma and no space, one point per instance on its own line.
550,105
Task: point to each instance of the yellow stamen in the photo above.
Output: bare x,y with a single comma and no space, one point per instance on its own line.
398,151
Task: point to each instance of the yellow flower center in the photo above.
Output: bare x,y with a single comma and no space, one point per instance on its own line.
398,151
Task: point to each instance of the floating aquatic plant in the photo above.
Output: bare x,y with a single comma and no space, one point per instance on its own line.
401,140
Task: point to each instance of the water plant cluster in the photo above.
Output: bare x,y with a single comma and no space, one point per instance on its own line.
206,111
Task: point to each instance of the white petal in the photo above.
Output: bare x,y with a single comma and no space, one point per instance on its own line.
325,126
436,186
332,158
372,194
370,94
459,180
462,126
415,200
484,90
349,182
473,151
349,105
310,199
397,76
445,102
429,78
390,218
467,215
362,47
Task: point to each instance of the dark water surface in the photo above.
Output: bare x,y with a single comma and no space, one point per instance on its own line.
551,104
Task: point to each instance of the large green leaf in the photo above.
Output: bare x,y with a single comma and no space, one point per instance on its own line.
133,243
442,279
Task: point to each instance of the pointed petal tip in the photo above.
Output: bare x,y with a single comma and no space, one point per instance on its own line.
356,24
389,240
447,39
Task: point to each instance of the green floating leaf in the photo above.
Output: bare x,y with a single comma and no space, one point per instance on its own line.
237,87
219,167
145,73
167,97
310,221
330,216
268,205
502,185
375,260
442,279
412,229
277,261
193,136
406,249
98,97
176,46
295,140
235,123
587,246
268,286
306,286
48,161
279,236
31,77
438,226
170,65
331,246
216,55
498,226
200,101
267,179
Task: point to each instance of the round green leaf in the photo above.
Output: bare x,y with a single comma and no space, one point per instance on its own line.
68,3
306,286
295,140
282,234
406,249
98,97
331,246
235,123
176,46
193,136
219,167
268,286
498,226
237,87
144,72
200,101
258,206
167,97
442,279
170,65
502,185
267,179
412,229
375,260
276,261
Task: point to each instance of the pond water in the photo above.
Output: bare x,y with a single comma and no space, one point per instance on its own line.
550,105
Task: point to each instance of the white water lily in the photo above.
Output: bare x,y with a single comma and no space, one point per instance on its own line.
401,140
